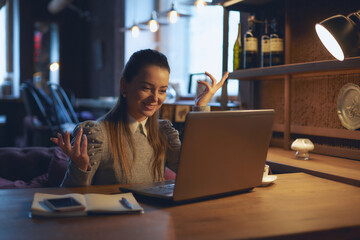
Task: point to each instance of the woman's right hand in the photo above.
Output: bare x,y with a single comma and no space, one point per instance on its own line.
78,152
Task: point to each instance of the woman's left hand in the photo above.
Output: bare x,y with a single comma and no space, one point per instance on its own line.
204,97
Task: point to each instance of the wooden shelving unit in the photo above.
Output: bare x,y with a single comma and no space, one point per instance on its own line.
281,71
287,73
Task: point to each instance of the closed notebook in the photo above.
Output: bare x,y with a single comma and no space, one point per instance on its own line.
94,204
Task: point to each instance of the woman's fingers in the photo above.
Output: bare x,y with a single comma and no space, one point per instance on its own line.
213,80
206,84
60,140
218,85
77,142
223,79
54,140
77,153
67,143
221,82
84,146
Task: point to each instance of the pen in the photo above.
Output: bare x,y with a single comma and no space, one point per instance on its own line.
126,203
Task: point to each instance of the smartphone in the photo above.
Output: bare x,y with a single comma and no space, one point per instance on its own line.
64,204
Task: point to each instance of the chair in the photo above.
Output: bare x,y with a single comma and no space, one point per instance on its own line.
46,115
40,167
66,117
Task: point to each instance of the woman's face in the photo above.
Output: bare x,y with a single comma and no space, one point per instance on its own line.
146,92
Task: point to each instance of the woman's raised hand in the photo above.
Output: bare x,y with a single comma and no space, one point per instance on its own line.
78,152
204,97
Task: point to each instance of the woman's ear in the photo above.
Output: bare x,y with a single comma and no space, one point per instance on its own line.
123,90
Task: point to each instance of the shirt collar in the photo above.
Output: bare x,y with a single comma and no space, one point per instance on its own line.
133,124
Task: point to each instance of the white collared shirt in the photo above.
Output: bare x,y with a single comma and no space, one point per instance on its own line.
133,124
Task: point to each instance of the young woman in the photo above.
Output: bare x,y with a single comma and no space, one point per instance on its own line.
130,144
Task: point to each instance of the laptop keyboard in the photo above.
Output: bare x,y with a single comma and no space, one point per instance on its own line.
162,189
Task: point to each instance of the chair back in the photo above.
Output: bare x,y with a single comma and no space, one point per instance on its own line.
37,104
65,112
54,112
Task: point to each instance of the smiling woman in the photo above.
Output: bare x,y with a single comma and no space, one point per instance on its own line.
130,144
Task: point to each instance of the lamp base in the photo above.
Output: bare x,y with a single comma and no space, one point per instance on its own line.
302,155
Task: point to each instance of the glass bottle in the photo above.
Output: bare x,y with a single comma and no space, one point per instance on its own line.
265,47
238,51
276,45
250,45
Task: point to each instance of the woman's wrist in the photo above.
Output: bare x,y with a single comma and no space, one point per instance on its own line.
196,108
83,167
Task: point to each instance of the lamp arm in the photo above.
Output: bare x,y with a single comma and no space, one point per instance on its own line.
355,17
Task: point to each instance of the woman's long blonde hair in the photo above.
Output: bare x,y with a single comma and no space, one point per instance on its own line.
116,122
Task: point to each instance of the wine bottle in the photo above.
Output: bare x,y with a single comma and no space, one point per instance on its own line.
276,45
238,51
265,47
250,45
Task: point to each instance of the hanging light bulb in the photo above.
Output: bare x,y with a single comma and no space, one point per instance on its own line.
200,4
153,23
173,16
54,66
135,31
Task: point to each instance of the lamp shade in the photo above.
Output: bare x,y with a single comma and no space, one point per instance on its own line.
339,34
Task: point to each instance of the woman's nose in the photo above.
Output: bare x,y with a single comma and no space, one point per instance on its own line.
155,96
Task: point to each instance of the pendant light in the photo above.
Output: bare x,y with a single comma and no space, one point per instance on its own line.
135,30
153,23
200,4
173,15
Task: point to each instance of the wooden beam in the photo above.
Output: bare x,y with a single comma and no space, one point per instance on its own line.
287,111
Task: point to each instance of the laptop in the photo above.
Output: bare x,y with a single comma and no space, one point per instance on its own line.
222,152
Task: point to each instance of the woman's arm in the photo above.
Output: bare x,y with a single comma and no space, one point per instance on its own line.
173,149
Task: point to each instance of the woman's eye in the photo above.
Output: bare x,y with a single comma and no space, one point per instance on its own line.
162,91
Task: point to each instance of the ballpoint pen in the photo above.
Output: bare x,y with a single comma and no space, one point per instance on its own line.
126,203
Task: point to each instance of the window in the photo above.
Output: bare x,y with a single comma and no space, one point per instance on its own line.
10,49
2,44
192,45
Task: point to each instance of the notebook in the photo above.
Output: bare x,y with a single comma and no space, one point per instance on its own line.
222,152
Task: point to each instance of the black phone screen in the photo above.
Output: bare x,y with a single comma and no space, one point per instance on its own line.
64,202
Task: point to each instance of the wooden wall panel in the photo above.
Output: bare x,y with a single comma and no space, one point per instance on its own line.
314,99
271,95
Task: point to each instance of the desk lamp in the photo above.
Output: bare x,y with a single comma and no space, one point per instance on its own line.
340,34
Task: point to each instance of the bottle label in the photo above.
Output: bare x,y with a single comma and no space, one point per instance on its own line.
251,44
277,44
265,45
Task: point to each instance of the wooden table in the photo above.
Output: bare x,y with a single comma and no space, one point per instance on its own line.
296,206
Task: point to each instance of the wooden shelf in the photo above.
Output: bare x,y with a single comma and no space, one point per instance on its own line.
211,104
323,132
294,69
246,5
333,168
